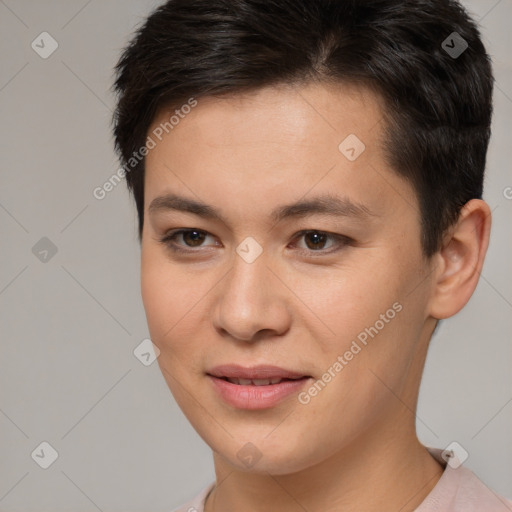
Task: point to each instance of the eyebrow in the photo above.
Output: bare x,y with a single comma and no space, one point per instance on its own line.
325,204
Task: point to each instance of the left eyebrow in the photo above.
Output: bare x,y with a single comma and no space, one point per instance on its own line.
325,204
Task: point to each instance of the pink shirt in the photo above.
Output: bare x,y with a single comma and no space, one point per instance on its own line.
458,490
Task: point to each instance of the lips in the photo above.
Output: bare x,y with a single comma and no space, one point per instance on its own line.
256,387
261,375
254,382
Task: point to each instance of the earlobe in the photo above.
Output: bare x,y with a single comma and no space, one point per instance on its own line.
460,260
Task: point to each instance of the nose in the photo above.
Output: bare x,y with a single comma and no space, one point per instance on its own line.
251,303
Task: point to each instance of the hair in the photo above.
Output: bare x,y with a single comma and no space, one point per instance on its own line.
438,105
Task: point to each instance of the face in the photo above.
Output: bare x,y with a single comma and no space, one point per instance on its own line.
334,289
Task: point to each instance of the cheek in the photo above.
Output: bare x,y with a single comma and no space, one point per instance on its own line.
173,300
378,338
350,300
165,299
370,318
169,308
155,292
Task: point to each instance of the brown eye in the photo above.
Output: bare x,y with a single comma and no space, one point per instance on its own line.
191,238
194,237
322,242
315,240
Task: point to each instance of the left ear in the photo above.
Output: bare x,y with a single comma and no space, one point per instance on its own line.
459,262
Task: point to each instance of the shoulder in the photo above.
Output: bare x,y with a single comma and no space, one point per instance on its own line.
460,490
196,504
474,495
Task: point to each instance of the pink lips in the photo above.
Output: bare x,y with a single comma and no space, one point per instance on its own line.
260,393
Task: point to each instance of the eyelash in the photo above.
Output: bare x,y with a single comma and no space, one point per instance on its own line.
169,241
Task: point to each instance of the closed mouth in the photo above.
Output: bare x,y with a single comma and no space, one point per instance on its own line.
258,382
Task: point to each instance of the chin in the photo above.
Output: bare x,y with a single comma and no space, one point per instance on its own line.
280,456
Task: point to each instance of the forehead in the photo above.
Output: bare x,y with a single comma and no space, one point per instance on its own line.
296,115
273,145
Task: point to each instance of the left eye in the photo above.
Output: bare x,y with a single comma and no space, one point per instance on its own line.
315,241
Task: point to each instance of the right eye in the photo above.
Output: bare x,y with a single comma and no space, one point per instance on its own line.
192,238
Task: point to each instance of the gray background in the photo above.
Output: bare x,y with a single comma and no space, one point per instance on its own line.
68,375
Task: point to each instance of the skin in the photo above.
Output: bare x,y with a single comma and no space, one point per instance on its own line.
354,445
